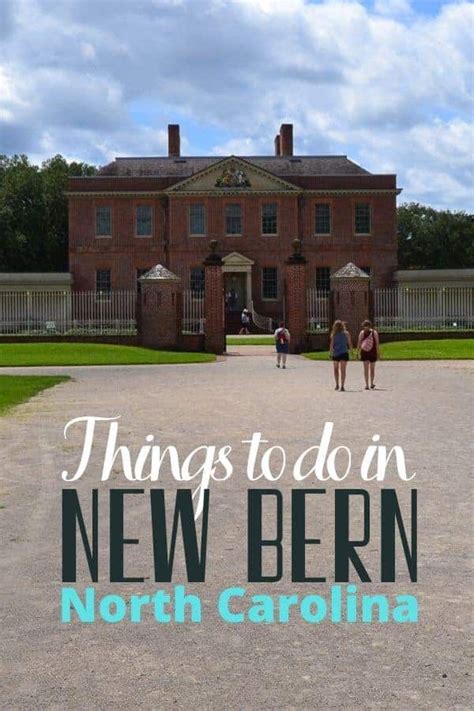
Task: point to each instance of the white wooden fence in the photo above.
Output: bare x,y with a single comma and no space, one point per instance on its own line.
67,313
424,309
193,312
317,307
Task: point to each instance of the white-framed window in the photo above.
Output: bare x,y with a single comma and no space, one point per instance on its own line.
103,221
322,218
103,284
362,218
143,221
269,218
197,219
269,283
233,219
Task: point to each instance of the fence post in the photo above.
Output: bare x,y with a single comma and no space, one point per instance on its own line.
295,302
160,313
350,287
214,301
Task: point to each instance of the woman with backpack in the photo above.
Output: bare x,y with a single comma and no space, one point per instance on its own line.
339,346
245,321
282,343
368,347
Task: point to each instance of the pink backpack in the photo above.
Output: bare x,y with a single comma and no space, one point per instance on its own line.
368,342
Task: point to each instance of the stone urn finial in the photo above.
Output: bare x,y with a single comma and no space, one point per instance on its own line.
297,246
297,256
213,258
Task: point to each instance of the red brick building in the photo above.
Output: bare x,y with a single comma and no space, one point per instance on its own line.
138,212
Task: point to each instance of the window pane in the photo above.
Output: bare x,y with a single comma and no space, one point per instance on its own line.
269,219
103,221
323,278
197,220
323,219
270,282
362,218
144,220
197,279
233,220
102,280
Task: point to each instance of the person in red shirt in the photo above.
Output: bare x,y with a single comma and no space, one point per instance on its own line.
282,343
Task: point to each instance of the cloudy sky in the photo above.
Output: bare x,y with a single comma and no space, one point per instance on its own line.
387,82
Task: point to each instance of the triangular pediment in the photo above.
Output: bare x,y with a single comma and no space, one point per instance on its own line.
232,176
235,259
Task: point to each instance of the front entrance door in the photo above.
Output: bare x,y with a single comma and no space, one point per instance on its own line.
235,284
235,287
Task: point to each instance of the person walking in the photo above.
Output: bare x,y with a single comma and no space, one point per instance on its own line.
368,347
340,345
282,343
245,321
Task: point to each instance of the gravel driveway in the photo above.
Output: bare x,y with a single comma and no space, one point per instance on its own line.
424,407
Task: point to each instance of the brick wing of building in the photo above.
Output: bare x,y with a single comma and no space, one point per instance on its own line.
139,212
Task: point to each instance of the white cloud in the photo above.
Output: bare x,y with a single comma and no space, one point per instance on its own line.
390,87
392,7
88,50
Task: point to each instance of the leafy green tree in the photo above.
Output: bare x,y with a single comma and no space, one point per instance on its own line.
434,239
22,214
34,213
55,173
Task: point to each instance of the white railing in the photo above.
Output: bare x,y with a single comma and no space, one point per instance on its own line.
424,308
265,323
317,308
67,313
193,312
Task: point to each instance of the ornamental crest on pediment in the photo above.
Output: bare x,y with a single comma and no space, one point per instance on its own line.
233,178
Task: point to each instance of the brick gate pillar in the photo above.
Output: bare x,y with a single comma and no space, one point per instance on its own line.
350,297
160,309
214,338
295,297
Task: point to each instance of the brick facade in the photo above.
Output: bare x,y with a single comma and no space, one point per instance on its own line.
160,309
170,185
214,303
295,298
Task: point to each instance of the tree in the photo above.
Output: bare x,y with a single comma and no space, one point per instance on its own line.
55,173
22,214
34,213
434,239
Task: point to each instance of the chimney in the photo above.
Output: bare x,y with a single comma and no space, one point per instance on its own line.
277,145
286,139
173,140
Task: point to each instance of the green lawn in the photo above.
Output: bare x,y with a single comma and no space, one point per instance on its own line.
12,354
15,389
443,349
250,340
